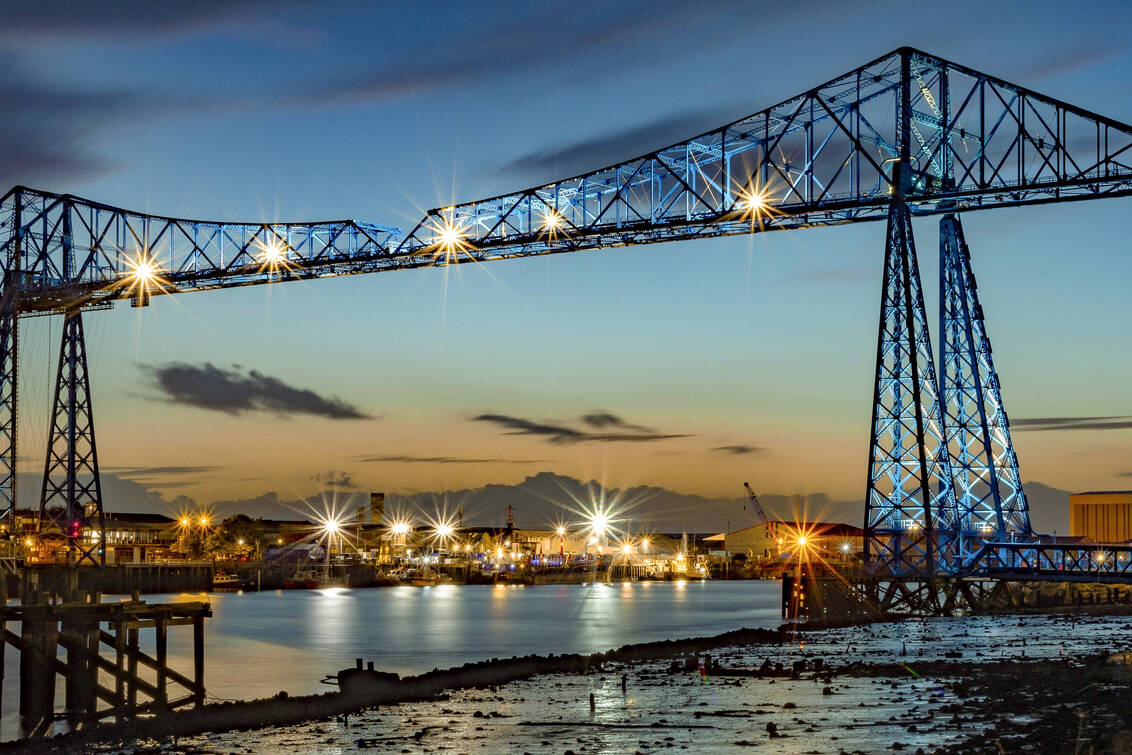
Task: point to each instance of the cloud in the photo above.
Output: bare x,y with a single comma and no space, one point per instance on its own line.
476,52
616,146
737,450
335,480
560,433
1072,423
444,460
124,18
209,387
601,420
134,472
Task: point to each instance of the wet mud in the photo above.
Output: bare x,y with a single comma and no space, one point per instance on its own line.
1055,683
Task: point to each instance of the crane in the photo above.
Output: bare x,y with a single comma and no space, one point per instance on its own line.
756,506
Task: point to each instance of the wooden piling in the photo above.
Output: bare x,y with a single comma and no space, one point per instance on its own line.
162,661
198,660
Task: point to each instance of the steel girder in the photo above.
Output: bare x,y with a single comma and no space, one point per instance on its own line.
71,498
991,505
9,399
1040,560
964,140
909,499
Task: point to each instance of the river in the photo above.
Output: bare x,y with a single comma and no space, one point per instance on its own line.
259,643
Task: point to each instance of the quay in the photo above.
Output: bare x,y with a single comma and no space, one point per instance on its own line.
57,614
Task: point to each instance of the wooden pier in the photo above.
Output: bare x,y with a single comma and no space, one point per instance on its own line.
94,649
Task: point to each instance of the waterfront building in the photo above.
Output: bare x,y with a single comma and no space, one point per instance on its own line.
772,540
1101,516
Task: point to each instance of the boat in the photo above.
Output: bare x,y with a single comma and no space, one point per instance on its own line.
223,581
425,578
301,583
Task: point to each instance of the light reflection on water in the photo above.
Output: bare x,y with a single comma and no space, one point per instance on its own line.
260,643
257,644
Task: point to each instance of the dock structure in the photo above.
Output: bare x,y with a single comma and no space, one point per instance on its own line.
95,649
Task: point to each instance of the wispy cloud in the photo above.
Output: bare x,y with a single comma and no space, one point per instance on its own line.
335,480
558,432
1072,423
602,419
470,53
737,450
166,471
443,460
125,19
206,386
617,145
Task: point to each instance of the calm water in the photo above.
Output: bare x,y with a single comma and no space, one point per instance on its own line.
257,644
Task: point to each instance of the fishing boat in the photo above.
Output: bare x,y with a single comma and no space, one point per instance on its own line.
425,578
224,581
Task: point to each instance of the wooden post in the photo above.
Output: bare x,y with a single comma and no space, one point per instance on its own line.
132,672
162,661
120,668
40,635
198,660
90,678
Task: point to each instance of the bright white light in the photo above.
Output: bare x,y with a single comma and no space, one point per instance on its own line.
449,237
626,549
561,531
645,544
273,254
599,523
144,271
752,202
552,221
331,526
802,540
399,528
443,530
240,541
845,547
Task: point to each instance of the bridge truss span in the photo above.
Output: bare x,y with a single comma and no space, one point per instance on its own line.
908,134
828,156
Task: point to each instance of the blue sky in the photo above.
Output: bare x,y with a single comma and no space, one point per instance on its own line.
756,351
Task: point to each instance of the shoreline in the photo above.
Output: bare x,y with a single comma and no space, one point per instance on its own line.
676,659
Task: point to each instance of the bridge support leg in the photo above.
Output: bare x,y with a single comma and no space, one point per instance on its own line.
909,504
71,500
990,503
9,395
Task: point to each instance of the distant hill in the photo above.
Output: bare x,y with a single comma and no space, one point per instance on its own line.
543,499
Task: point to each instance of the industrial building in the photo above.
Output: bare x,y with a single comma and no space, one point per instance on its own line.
772,539
1101,516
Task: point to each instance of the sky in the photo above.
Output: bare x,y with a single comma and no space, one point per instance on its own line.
693,366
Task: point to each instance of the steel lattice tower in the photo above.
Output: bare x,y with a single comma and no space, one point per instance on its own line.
909,504
907,134
991,505
71,501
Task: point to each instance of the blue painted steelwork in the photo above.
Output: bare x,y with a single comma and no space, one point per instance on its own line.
909,502
988,488
967,140
1054,561
70,502
906,134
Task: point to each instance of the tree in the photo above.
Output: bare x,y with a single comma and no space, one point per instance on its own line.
238,536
